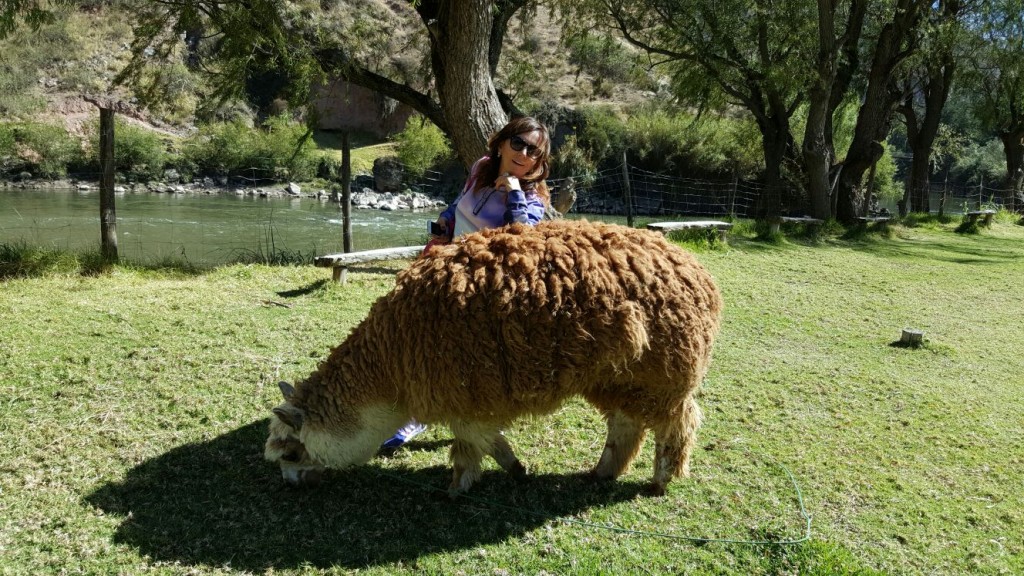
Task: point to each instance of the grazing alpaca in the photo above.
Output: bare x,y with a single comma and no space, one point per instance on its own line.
509,322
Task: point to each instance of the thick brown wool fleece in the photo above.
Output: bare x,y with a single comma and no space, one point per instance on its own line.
514,320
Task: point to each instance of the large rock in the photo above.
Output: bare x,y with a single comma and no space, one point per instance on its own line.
387,174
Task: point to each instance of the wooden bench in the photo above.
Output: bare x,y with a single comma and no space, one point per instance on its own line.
985,215
721,227
880,220
341,262
775,223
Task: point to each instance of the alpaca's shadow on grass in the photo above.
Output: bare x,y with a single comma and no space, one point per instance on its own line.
220,503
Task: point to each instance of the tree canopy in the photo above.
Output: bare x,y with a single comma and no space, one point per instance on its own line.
438,57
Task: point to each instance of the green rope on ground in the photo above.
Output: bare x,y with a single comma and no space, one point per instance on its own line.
647,533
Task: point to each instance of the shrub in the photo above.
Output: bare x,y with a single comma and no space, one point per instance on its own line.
290,147
280,150
421,145
665,140
572,161
169,89
885,186
602,133
600,56
139,154
45,150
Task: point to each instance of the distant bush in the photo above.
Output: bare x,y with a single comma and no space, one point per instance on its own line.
601,56
421,145
572,161
280,150
979,163
885,185
139,154
170,90
665,140
602,132
44,150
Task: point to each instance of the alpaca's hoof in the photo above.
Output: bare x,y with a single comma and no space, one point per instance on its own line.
654,489
518,471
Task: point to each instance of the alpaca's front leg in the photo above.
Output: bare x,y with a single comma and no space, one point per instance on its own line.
625,436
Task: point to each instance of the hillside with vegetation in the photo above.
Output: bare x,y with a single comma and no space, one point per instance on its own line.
586,87
48,128
606,99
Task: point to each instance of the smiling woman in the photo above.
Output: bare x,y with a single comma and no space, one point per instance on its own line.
505,186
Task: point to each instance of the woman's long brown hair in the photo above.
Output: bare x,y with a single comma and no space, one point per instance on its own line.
488,170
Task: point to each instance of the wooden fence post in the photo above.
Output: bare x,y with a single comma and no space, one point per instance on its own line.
108,216
628,192
346,192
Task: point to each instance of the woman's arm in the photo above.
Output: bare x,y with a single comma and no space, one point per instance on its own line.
520,207
449,213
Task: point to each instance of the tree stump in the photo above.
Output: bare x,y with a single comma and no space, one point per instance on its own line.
912,337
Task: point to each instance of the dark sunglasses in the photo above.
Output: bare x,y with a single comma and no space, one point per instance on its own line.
518,144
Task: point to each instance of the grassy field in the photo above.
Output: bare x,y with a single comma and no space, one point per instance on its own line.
134,403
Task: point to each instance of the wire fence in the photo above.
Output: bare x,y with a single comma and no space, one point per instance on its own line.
630,190
651,194
225,225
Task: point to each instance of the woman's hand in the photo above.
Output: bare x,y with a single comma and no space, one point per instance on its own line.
508,182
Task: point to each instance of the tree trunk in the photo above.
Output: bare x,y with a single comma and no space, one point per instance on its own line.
779,151
1013,146
894,45
108,216
778,146
460,51
919,186
940,67
817,162
817,148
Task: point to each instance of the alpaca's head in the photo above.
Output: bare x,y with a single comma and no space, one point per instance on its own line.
303,446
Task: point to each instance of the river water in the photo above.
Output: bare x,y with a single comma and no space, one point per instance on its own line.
200,228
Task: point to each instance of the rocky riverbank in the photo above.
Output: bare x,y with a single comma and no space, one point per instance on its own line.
364,198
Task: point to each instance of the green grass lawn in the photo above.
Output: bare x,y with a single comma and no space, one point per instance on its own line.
134,403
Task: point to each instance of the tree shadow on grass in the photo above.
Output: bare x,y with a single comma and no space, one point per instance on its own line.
219,503
987,250
304,291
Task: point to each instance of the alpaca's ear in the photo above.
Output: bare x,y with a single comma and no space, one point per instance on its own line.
290,415
286,389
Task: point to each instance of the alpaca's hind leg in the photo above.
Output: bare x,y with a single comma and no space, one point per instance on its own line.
674,442
470,445
502,453
472,442
625,435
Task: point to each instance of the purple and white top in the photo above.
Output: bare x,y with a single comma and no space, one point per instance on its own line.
490,208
